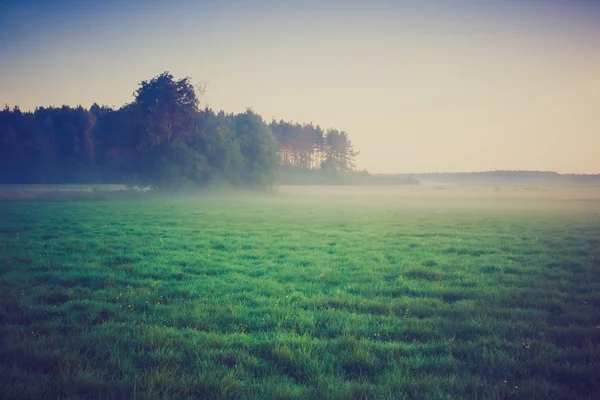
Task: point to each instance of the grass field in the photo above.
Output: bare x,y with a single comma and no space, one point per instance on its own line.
420,293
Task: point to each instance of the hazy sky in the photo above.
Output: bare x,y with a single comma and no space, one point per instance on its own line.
447,86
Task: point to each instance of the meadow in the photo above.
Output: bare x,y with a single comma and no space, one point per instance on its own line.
427,292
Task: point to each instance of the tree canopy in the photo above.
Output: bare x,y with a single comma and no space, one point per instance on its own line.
163,139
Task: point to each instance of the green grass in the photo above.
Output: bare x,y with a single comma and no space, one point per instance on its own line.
287,297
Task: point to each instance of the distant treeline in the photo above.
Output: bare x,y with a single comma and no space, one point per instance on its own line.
510,177
294,176
163,139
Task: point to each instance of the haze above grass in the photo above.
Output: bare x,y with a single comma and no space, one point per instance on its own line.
424,292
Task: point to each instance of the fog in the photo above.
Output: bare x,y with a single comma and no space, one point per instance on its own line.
310,199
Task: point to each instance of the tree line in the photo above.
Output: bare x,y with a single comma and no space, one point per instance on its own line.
162,139
304,146
510,177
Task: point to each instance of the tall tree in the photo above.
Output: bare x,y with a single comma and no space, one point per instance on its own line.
166,107
258,147
161,138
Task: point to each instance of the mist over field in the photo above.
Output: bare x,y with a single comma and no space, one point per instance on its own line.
307,292
343,200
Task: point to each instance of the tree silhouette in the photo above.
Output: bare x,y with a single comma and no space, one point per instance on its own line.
161,139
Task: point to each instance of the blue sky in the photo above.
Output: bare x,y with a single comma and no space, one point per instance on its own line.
440,86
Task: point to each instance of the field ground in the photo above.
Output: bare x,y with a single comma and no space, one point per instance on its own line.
420,292
47,192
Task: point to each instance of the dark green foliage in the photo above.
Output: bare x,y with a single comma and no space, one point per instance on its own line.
258,148
160,139
49,145
173,165
163,140
166,110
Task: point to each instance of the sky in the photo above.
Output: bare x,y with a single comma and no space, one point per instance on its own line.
420,86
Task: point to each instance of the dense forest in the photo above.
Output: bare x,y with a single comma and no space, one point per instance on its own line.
164,139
